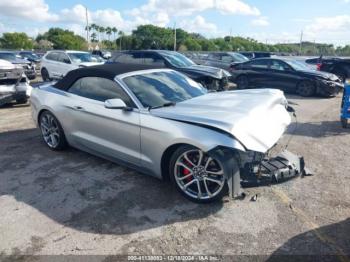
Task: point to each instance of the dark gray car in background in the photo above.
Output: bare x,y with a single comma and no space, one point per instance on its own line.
28,67
225,59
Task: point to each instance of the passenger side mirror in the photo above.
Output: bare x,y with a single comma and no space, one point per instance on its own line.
116,103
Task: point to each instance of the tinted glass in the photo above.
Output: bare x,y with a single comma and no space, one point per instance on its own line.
263,64
238,57
62,57
80,57
177,59
99,89
153,59
7,56
279,65
226,59
134,58
158,88
52,56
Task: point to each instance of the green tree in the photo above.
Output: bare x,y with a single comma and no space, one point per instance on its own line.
63,39
16,41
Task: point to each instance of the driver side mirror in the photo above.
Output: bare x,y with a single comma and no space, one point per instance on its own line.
117,103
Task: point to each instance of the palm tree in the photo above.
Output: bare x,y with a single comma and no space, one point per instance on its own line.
109,32
93,37
101,29
120,34
114,30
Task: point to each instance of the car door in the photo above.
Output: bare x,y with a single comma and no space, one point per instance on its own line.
64,65
257,72
113,133
51,60
283,76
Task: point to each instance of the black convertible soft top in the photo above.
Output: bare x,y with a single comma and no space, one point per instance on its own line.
109,71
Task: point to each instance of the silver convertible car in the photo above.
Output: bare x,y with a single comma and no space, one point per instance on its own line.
162,123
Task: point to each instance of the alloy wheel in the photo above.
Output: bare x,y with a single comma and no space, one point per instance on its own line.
198,175
50,130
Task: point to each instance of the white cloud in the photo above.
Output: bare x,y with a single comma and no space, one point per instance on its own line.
235,7
36,10
198,25
334,29
261,21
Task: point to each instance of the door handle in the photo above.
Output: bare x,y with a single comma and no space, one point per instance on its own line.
78,108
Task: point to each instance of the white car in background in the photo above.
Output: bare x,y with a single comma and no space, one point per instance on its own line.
56,64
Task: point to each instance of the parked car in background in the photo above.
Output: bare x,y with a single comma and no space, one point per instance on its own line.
337,66
210,77
104,54
28,67
254,55
56,64
32,57
14,85
198,58
162,123
225,59
285,74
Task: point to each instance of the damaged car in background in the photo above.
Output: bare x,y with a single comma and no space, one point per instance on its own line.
212,78
28,66
14,85
165,124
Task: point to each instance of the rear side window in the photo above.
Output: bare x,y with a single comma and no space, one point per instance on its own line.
134,58
263,64
100,89
52,56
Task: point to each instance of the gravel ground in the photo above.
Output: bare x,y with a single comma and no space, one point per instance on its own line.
72,203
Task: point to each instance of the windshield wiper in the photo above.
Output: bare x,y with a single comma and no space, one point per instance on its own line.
163,105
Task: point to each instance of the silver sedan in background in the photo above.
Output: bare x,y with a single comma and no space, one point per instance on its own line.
161,123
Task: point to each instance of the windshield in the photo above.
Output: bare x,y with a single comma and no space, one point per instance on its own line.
297,65
30,55
81,57
158,88
239,58
7,56
177,60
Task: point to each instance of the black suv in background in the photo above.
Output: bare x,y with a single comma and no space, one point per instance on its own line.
212,78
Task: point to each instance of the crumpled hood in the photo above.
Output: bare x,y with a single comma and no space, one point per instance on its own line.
214,72
19,61
321,74
257,117
6,65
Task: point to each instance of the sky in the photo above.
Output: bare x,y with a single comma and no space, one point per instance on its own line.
273,21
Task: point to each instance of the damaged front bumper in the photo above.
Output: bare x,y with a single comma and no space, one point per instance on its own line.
329,88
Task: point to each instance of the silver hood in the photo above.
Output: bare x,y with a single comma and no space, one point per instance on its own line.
257,117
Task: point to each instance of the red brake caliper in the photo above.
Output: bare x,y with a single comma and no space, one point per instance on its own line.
185,171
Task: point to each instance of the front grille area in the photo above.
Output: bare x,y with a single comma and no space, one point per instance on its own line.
8,81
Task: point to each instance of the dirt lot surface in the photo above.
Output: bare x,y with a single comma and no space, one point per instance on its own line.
70,202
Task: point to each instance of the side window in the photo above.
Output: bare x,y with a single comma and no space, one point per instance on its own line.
280,66
214,56
226,59
133,58
262,64
153,59
52,56
100,89
63,58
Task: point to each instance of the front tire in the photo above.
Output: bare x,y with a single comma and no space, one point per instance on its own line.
242,82
344,122
45,75
196,175
52,131
306,88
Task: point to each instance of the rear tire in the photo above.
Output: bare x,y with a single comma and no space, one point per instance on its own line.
52,132
344,122
45,75
201,181
306,88
242,82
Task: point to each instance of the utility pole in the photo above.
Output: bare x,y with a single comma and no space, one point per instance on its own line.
175,36
87,25
301,42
